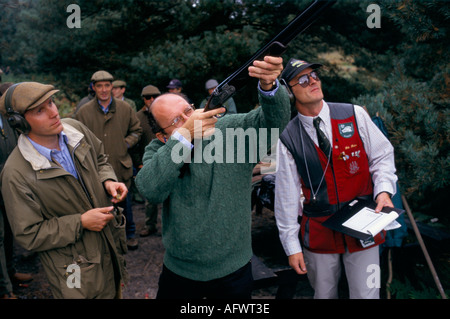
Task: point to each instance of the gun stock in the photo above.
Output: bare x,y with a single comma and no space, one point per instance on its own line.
275,47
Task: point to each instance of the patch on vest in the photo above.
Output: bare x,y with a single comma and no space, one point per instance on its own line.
354,167
346,129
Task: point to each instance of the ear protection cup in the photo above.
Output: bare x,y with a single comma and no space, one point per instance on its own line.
294,111
288,89
15,119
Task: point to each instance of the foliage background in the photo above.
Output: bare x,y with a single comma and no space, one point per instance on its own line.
399,71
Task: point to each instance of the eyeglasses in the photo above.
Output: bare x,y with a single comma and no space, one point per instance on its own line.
179,119
304,80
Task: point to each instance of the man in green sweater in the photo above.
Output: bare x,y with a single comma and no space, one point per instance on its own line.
206,220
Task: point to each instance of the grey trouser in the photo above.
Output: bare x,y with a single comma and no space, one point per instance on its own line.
361,268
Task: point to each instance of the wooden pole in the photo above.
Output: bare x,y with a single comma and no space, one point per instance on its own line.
424,249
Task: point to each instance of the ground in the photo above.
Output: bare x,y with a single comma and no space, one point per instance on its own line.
144,264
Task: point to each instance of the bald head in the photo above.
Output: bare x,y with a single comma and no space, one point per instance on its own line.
167,105
165,110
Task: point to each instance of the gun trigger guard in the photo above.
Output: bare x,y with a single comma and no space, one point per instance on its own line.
218,116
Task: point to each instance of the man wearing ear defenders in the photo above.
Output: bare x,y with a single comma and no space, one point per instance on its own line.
332,153
206,219
56,186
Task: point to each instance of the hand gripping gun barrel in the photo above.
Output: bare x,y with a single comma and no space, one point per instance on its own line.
276,47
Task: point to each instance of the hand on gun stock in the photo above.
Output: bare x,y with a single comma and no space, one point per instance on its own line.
200,124
267,71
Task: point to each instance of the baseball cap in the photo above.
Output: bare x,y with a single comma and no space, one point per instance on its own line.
294,67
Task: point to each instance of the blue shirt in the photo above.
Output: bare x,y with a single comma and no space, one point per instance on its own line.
62,157
105,110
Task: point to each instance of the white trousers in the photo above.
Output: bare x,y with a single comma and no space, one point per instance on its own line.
361,268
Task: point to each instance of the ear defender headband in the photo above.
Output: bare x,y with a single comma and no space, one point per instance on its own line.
15,119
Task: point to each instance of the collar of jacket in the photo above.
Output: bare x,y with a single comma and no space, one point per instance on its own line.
39,161
111,106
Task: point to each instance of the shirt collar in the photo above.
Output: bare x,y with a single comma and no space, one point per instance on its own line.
324,115
107,108
62,141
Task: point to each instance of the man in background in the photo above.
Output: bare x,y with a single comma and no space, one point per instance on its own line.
149,93
115,123
118,91
8,273
175,86
229,104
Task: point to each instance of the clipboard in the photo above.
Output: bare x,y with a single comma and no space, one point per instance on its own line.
358,219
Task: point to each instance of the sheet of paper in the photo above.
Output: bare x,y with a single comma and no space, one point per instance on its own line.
367,221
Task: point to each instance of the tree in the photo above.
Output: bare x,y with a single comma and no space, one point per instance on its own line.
414,101
399,70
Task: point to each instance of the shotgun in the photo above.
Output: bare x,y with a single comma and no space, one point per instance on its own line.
276,47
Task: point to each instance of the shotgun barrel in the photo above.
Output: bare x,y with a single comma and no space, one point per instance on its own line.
275,47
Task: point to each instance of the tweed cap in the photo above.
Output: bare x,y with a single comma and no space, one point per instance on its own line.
294,67
119,83
150,90
27,96
102,76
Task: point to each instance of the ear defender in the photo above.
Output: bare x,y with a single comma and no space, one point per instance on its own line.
288,89
15,119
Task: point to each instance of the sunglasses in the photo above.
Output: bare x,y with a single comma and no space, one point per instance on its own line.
304,80
148,97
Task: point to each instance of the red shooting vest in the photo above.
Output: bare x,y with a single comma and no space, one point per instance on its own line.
347,177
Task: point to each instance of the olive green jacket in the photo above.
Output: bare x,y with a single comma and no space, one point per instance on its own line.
119,130
44,204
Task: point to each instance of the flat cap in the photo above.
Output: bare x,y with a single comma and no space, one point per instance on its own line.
150,90
294,67
119,83
27,96
211,83
101,76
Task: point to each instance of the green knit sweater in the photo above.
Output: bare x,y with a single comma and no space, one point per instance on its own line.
206,220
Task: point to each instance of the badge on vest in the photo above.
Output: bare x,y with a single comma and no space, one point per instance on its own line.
346,129
354,168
